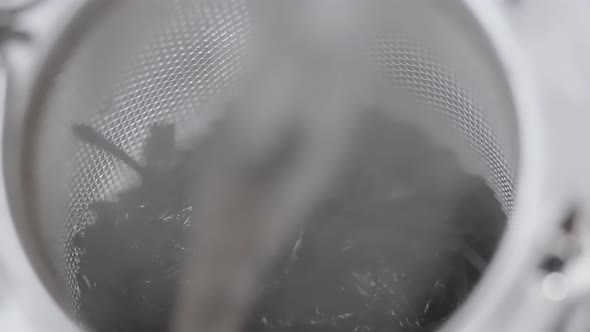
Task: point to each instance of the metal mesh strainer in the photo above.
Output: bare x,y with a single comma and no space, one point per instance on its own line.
164,62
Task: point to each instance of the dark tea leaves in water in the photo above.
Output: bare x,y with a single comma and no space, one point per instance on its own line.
396,245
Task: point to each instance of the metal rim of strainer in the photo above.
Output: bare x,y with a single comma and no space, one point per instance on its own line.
504,300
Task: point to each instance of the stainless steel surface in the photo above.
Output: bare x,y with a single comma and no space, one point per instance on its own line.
187,59
171,61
